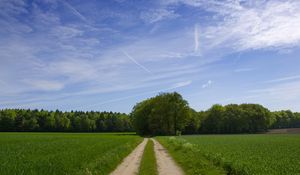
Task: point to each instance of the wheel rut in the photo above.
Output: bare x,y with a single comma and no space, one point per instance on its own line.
165,163
130,165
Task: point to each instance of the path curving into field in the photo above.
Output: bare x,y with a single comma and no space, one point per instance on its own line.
165,164
130,165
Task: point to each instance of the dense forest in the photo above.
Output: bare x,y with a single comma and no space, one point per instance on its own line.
41,120
164,114
243,118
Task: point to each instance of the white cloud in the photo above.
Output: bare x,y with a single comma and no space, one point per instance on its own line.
156,15
212,5
12,7
243,25
174,86
207,84
274,24
45,85
9,10
295,77
281,92
75,70
65,32
196,38
246,69
76,58
182,84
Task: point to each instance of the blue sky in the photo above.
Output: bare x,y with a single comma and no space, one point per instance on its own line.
111,54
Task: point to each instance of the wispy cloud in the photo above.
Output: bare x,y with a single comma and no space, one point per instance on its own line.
65,32
182,84
272,24
283,91
174,86
294,77
45,85
250,25
247,69
240,99
72,51
155,15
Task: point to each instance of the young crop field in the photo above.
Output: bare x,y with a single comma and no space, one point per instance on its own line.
63,153
236,154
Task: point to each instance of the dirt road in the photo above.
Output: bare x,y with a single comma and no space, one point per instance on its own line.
130,165
165,164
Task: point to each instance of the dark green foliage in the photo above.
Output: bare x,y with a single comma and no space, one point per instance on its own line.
35,120
244,118
193,123
214,121
7,120
165,114
286,119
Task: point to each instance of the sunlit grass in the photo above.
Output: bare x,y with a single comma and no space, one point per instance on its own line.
238,154
63,153
189,158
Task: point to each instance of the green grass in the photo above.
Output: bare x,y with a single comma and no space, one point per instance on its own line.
148,164
63,153
189,158
245,154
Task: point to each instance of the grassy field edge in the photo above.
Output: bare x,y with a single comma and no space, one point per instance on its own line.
109,161
148,164
190,158
253,154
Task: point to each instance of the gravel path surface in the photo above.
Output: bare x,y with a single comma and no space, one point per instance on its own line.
165,163
130,165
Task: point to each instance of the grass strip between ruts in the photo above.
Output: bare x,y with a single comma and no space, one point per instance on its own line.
148,164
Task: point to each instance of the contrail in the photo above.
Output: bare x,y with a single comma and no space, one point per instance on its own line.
175,86
137,63
75,11
196,38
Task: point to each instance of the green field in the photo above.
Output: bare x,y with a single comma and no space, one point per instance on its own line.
63,153
236,154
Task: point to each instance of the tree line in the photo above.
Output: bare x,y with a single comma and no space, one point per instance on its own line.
164,114
74,121
285,119
169,114
243,118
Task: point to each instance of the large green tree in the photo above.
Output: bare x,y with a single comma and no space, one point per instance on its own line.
164,114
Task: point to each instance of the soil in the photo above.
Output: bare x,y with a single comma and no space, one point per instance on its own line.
284,131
